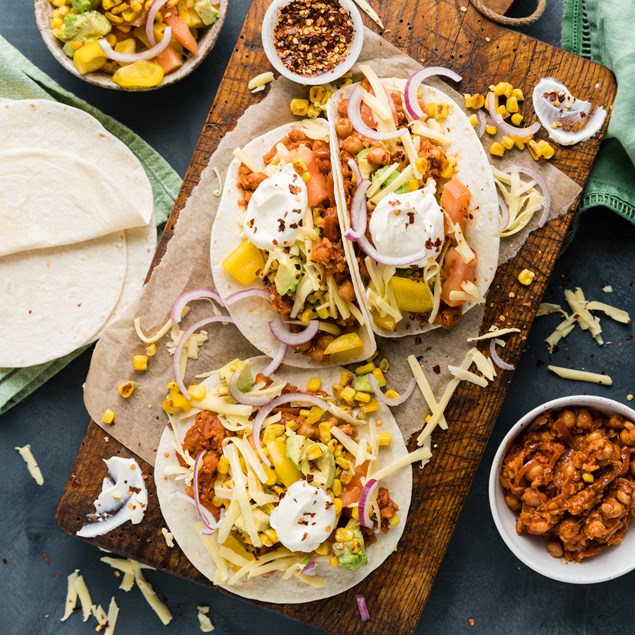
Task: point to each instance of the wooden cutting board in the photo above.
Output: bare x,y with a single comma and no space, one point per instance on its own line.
437,32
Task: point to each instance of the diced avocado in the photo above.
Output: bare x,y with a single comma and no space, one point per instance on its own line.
362,383
286,472
85,5
294,447
84,27
261,519
245,378
288,274
365,167
206,11
320,472
400,190
352,553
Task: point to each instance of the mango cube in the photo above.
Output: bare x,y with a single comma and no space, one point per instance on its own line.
89,58
244,263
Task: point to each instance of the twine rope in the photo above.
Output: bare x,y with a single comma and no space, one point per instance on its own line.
503,19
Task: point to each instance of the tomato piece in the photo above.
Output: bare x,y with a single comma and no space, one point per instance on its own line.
456,271
455,200
317,186
180,30
352,491
169,60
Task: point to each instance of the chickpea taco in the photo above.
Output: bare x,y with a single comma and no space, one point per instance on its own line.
277,255
417,202
278,488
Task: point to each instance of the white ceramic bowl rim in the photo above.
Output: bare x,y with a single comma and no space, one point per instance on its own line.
611,563
271,19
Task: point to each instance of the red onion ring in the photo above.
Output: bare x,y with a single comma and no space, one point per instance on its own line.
390,261
129,58
504,213
176,358
352,164
396,401
497,360
391,103
411,100
363,507
189,296
359,212
482,122
294,339
361,605
354,114
522,133
310,569
209,525
251,292
542,184
276,360
152,13
241,397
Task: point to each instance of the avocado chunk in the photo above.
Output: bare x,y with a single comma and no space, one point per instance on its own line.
319,472
206,11
245,379
365,167
288,274
293,449
261,519
85,5
362,384
351,554
402,189
84,27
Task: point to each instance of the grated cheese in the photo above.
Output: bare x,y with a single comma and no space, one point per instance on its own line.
84,596
494,333
380,180
411,153
547,308
465,251
423,130
71,596
260,81
314,129
484,364
113,614
204,622
370,12
466,375
247,161
613,312
162,611
470,293
403,178
169,538
354,448
31,463
426,389
581,375
420,454
151,339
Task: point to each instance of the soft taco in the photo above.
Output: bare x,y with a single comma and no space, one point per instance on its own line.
277,255
292,501
417,203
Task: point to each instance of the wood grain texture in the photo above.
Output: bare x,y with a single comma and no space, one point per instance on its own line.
436,32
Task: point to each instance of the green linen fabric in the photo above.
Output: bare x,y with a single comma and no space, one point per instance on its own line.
19,79
602,31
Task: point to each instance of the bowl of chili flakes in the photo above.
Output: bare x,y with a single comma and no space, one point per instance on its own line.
562,489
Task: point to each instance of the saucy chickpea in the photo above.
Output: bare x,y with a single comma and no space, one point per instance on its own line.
344,127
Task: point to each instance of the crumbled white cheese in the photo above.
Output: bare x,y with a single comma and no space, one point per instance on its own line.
203,619
31,463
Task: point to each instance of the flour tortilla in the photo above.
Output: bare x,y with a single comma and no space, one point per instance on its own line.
181,516
252,315
472,168
64,178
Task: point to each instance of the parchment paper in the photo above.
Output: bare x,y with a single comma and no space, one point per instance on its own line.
139,421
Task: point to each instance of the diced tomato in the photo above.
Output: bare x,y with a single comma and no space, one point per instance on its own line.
169,60
317,187
180,30
455,200
353,490
456,271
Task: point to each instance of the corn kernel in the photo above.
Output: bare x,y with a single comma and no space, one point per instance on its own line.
502,111
512,105
491,129
365,369
151,350
314,384
59,3
323,549
517,119
342,534
546,149
363,397
126,389
314,452
355,512
519,143
315,414
338,505
526,277
503,88
331,445
507,142
422,164
333,561
346,377
135,5
478,101
216,501
473,119
223,465
517,93
313,111
272,477
108,417
168,406
447,169
378,373
56,22
371,406
345,464
325,431
391,394
587,477
337,487
292,425
264,540
534,150
180,402
440,112
497,149
197,391
355,547
140,362
346,477
348,394
323,313
393,521
273,431
385,438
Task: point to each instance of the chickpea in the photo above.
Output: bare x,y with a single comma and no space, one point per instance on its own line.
568,418
343,127
611,508
535,472
378,156
343,108
513,502
555,549
531,497
595,529
538,527
623,496
627,435
352,145
346,291
585,420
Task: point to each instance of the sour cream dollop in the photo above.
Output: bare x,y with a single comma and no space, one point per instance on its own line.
276,209
403,224
123,497
304,518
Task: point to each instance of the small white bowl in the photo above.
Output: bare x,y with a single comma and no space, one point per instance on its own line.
268,25
610,563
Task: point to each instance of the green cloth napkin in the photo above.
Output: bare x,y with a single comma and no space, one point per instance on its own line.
602,31
19,79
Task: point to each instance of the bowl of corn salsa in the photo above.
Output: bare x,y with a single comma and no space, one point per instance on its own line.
119,44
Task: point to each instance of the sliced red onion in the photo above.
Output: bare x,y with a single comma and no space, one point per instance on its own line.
390,261
523,133
129,58
411,99
152,13
397,401
294,339
365,503
359,212
542,184
496,359
247,293
241,397
391,103
176,359
276,360
189,296
211,524
352,164
310,569
264,412
354,114
482,123
504,212
361,605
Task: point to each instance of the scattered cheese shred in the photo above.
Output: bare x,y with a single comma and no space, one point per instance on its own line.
84,596
246,160
71,596
113,613
613,312
260,81
403,178
204,621
370,12
169,538
426,389
420,454
581,375
151,339
466,375
354,448
162,611
31,463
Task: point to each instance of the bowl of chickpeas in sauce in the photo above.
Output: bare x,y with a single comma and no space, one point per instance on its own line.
562,489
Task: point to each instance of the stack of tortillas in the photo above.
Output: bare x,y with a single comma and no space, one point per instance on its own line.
77,231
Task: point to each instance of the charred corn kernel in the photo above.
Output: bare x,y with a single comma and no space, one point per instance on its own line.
346,477
331,445
363,397
345,464
342,534
502,111
477,101
323,549
422,164
314,452
271,534
393,521
333,561
348,394
526,277
503,88
315,414
168,406
292,425
447,169
151,350
317,93
355,512
497,149
179,401
337,486
325,431
546,149
365,369
534,150
355,547
385,438
140,362
519,143
126,389
223,465
517,93
511,104
346,377
473,119
371,406
272,432
197,391
108,417
392,394
587,477
313,111
507,142
491,129
314,384
517,119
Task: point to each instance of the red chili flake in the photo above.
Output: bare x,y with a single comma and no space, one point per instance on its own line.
471,621
46,558
304,537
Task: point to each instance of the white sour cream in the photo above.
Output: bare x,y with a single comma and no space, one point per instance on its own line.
403,224
304,518
123,497
276,209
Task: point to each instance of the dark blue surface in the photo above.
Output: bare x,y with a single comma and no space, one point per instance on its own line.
479,578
